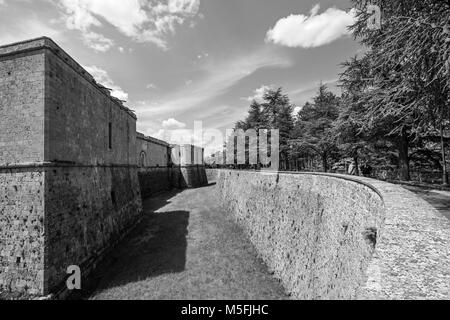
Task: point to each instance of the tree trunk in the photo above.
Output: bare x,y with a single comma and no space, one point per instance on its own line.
444,159
356,160
325,162
403,156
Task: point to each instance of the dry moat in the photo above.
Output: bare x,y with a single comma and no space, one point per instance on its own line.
187,247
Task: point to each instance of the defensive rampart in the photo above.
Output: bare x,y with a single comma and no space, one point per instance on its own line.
335,237
68,176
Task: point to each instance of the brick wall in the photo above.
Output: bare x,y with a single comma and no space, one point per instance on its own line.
88,209
69,176
22,230
192,176
152,152
154,180
185,155
22,123
189,169
22,108
79,115
83,178
153,158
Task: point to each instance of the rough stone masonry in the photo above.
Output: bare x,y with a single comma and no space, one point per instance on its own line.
69,186
329,236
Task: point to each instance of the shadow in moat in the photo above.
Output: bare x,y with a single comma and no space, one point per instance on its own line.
155,247
205,186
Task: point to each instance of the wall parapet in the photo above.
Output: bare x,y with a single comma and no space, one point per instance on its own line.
141,136
340,237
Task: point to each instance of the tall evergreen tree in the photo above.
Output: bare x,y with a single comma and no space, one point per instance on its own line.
313,129
408,86
255,118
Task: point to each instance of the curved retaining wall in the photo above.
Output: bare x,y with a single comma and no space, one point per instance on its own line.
337,237
212,175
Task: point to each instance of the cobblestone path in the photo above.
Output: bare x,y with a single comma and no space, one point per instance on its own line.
440,200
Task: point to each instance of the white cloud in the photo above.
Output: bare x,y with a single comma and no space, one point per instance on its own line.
141,20
189,7
297,110
312,31
173,124
126,15
202,55
259,93
97,41
102,77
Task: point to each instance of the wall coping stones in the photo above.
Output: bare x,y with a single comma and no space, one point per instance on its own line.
411,260
151,139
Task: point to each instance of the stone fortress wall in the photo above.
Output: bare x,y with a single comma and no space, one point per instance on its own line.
162,166
22,175
339,237
70,170
189,166
154,163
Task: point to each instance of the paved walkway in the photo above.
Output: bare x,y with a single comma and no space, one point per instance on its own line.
186,248
440,200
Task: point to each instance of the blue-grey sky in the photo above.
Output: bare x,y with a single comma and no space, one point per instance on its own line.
180,61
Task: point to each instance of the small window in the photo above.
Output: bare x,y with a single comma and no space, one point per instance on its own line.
142,159
113,198
110,135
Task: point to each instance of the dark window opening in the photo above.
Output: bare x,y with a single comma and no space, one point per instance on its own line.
113,198
142,159
110,135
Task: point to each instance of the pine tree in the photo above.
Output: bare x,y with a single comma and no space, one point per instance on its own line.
313,129
278,114
255,118
407,84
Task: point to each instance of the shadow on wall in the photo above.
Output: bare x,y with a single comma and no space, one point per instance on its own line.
211,184
156,247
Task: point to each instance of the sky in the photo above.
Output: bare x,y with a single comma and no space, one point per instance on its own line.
177,62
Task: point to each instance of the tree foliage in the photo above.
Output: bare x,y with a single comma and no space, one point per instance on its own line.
314,125
395,100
